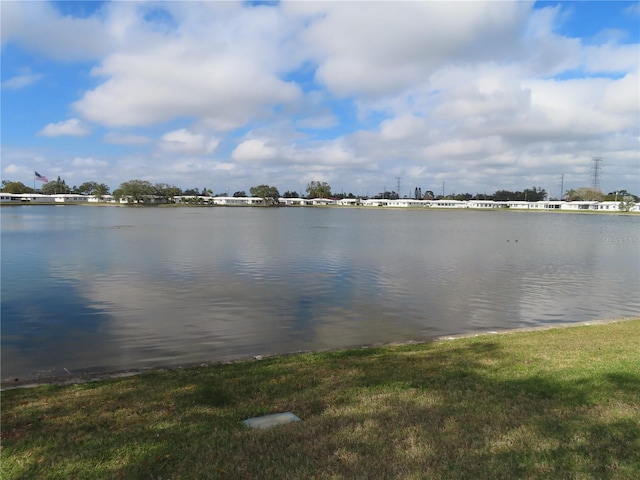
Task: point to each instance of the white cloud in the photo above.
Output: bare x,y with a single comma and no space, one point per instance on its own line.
71,127
633,10
611,57
388,48
126,139
38,27
623,97
88,162
227,167
150,87
221,65
402,127
481,94
183,141
252,151
574,107
471,148
13,169
21,81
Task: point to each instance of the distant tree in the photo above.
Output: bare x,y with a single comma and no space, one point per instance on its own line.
502,195
317,189
571,195
136,190
289,194
86,188
166,192
56,187
589,194
100,190
387,195
270,194
92,188
240,193
15,187
534,194
620,195
627,203
428,195
463,196
194,192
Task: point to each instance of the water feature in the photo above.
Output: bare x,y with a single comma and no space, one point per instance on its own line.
88,288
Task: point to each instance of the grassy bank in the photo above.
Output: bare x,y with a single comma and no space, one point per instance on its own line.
562,403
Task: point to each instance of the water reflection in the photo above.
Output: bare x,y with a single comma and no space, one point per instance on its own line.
102,288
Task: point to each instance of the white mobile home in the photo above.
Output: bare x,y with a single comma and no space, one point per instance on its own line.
608,206
238,201
448,204
375,202
70,198
293,201
407,202
579,205
322,201
102,199
484,204
350,202
26,198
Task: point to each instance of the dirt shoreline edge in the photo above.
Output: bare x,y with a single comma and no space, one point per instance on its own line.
88,377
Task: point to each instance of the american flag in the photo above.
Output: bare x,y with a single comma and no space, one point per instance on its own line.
41,178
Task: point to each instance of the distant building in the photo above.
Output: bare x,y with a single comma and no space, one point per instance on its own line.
71,198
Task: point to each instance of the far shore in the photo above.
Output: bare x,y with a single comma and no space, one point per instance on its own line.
422,209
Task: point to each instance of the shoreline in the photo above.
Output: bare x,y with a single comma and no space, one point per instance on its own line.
97,376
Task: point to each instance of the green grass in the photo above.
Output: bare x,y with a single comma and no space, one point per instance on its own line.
562,403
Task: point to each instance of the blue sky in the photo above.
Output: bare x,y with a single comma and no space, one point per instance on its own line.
229,95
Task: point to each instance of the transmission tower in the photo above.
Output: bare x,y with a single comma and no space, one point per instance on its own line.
398,189
596,168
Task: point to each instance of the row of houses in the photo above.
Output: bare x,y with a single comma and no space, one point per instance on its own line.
62,198
520,205
35,198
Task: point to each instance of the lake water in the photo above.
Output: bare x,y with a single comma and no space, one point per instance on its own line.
90,289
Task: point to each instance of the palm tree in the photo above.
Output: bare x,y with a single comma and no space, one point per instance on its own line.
570,195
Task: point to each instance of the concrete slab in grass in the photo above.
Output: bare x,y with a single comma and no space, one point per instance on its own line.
272,420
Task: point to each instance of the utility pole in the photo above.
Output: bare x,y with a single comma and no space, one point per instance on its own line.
398,188
562,187
442,189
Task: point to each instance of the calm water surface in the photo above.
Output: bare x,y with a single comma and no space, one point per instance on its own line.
89,289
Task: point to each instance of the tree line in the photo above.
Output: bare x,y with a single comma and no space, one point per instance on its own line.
57,186
139,189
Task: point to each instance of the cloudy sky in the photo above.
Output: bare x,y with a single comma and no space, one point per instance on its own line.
228,95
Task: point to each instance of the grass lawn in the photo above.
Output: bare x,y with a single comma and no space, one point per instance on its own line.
561,403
